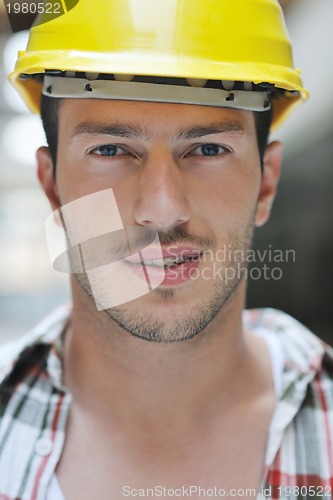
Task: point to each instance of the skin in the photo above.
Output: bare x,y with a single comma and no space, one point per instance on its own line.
217,377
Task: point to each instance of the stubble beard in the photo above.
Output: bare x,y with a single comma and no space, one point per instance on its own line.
195,318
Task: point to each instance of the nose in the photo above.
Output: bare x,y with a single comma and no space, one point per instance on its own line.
161,196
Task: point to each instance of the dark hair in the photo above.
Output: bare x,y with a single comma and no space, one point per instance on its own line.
49,115
263,121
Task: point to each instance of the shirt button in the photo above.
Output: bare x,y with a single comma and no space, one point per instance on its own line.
43,447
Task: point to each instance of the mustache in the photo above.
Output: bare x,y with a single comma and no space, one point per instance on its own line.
180,234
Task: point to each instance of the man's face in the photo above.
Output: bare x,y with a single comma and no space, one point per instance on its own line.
192,173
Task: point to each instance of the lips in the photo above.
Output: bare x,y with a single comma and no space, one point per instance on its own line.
168,257
166,266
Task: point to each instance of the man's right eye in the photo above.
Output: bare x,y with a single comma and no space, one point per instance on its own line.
108,150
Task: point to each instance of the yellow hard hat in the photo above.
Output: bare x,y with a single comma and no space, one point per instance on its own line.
198,40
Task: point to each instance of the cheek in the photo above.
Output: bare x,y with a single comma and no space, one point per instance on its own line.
228,198
75,181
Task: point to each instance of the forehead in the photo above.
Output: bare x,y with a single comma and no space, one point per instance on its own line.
150,118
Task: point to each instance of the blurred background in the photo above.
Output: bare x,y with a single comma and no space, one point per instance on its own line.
302,218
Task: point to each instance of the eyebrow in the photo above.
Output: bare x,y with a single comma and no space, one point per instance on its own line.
219,128
101,129
122,130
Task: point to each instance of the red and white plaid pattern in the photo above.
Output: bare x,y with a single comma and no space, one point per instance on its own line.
34,407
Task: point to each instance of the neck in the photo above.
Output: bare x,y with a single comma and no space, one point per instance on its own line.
134,380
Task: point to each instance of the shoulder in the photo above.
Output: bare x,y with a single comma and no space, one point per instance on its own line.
300,442
304,351
45,332
275,320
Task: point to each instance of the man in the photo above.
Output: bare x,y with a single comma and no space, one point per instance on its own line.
157,382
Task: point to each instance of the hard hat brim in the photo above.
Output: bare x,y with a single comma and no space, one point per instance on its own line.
141,63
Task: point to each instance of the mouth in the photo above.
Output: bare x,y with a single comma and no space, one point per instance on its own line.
164,267
171,262
164,257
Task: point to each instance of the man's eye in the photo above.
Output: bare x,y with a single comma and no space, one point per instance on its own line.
209,150
108,150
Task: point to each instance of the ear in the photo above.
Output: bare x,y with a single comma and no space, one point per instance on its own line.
269,182
46,177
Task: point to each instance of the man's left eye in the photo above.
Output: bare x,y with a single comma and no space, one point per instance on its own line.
209,150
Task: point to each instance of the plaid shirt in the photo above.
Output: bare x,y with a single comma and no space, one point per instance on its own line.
34,407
